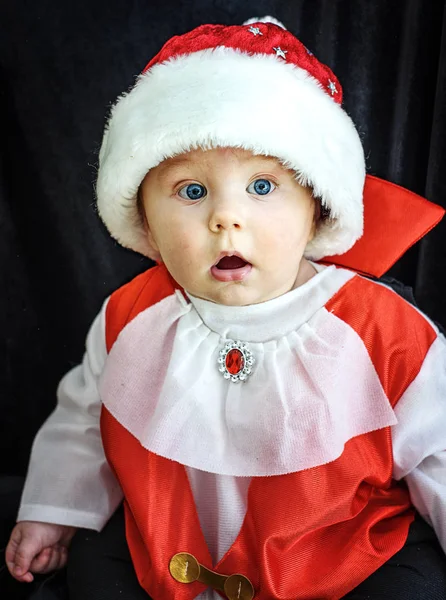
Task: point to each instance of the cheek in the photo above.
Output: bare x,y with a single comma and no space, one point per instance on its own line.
287,232
183,244
177,239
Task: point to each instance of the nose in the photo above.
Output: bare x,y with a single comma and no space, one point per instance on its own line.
226,215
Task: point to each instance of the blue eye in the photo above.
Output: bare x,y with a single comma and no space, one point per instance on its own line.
193,191
261,187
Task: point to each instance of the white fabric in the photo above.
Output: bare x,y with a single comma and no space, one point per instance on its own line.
276,318
69,480
221,505
419,439
313,387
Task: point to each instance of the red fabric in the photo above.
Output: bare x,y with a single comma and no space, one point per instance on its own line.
313,534
299,539
318,533
160,512
238,37
397,346
394,220
145,290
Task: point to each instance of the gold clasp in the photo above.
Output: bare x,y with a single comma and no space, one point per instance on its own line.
186,569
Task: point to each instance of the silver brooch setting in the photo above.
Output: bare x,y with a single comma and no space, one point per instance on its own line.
235,361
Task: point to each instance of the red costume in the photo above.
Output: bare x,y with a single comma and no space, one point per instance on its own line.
316,533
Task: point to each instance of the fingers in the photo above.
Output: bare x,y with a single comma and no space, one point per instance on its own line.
63,557
28,577
20,552
49,559
37,547
42,560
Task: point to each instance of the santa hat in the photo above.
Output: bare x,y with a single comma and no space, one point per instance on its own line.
253,86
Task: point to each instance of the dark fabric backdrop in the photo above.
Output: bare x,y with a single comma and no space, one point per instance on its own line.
61,66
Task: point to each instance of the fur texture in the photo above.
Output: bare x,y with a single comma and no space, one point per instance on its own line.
223,97
266,19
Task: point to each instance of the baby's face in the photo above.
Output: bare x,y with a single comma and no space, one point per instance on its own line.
230,227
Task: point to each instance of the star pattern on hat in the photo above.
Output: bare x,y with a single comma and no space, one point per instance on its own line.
280,52
255,30
332,87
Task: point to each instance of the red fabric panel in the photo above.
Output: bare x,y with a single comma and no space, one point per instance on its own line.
320,532
396,335
160,512
394,220
128,301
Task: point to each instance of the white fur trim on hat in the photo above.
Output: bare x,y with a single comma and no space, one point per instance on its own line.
266,19
224,97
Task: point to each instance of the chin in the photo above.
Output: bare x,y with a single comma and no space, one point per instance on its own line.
235,296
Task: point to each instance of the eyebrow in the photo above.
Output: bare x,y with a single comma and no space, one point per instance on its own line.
167,169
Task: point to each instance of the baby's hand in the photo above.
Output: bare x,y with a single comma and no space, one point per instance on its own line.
37,548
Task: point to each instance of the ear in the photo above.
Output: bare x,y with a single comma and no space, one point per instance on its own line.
150,237
145,223
316,219
312,231
154,250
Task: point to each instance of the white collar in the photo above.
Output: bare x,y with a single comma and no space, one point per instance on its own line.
274,318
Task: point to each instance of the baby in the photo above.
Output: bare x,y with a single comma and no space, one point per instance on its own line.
271,422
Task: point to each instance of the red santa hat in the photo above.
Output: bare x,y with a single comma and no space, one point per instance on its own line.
252,86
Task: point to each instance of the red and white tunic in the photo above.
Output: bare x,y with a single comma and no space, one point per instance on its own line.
298,477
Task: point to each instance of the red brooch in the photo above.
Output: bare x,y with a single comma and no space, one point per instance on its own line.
235,361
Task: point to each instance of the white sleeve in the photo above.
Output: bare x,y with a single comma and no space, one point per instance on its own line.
69,481
419,439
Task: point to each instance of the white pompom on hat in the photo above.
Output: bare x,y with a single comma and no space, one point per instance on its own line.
266,19
253,86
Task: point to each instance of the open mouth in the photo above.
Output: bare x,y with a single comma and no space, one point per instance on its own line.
231,262
231,268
